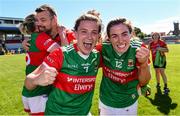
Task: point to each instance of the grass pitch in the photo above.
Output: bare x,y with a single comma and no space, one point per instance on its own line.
12,76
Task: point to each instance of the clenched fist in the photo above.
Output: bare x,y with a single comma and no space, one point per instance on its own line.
45,77
142,55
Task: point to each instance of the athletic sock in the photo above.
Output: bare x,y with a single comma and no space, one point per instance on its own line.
158,85
165,85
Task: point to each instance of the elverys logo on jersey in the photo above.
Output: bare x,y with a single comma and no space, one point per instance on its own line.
28,60
76,84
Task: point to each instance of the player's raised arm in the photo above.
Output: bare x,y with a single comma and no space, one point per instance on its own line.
144,74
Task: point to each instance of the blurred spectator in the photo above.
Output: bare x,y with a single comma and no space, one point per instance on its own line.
1,50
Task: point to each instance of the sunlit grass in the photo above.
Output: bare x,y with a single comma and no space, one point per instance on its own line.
12,76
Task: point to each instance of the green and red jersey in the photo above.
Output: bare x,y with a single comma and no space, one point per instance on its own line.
74,85
120,75
155,45
39,45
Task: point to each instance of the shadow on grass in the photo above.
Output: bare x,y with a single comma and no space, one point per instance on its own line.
163,102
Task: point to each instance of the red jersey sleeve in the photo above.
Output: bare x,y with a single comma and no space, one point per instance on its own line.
55,59
43,41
